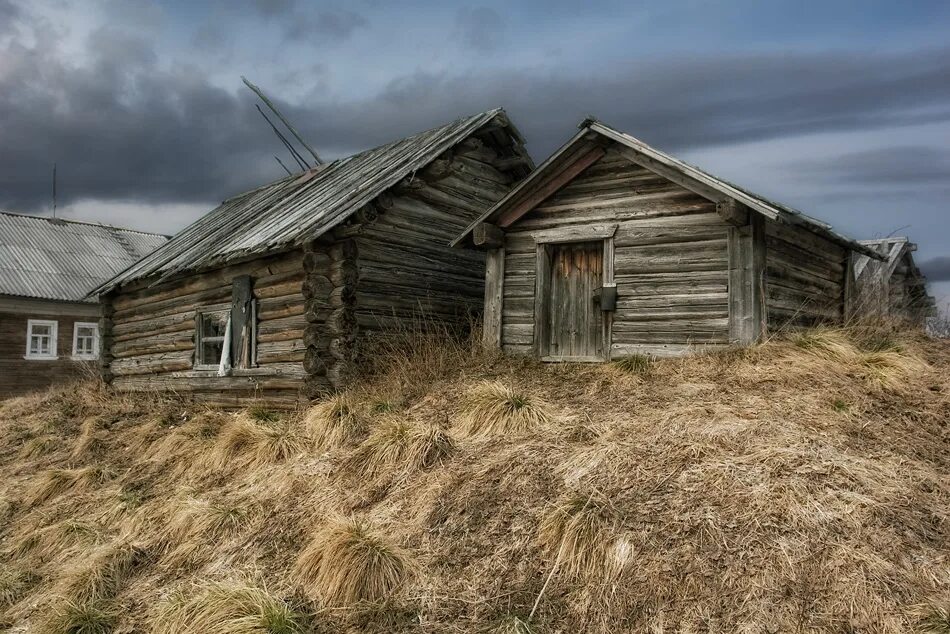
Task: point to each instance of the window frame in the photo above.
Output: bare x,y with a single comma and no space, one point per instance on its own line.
54,335
197,362
92,356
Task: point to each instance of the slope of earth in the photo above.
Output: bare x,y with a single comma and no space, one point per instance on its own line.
799,486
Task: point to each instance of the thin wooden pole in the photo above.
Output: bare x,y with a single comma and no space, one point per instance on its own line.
267,102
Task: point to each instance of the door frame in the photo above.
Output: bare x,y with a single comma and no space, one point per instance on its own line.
543,241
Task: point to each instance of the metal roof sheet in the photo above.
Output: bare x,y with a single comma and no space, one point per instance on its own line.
298,208
51,258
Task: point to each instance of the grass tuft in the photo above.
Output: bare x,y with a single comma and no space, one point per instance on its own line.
93,617
347,562
262,414
935,619
832,344
397,445
227,608
493,408
635,364
578,532
255,443
55,482
335,422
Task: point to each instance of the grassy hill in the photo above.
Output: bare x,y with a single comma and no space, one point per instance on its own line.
800,486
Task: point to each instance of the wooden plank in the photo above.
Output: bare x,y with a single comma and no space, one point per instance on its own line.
538,196
494,296
488,235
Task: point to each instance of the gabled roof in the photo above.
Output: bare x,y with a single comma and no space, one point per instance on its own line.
593,132
299,208
50,258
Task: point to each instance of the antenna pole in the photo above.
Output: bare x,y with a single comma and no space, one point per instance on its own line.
284,166
54,190
267,102
304,165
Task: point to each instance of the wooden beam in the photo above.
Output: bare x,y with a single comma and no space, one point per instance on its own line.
673,175
733,212
488,235
746,252
547,189
494,297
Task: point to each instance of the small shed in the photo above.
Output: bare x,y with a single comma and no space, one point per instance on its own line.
893,287
613,248
49,330
274,296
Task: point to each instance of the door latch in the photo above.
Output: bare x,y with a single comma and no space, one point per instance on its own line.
606,296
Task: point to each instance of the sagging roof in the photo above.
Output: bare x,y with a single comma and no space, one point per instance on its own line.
299,208
51,258
702,182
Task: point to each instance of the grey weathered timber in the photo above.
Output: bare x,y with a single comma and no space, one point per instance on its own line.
893,288
696,263
320,302
494,297
488,236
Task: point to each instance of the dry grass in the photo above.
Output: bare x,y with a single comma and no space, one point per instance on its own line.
796,486
347,562
253,442
578,533
398,446
934,619
335,422
227,608
492,408
57,482
635,364
81,618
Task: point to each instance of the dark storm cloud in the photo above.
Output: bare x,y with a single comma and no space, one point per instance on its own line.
480,28
123,126
302,22
906,165
936,269
324,26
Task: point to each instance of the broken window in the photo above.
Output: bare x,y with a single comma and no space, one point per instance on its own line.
212,328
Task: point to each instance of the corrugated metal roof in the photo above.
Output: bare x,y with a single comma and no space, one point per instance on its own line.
50,258
766,207
297,208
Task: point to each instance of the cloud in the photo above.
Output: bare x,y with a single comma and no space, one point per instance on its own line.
936,269
883,167
324,26
123,125
480,28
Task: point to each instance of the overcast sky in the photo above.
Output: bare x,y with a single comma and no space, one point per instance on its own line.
841,109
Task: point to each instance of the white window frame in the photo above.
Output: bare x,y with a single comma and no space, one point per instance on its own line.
54,335
199,339
95,340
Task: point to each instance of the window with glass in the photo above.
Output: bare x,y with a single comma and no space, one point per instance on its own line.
212,326
41,339
85,340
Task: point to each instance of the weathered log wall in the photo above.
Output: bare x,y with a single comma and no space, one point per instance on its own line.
806,277
148,333
408,275
670,260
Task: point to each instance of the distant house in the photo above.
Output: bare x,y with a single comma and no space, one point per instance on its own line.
894,287
47,266
612,248
274,294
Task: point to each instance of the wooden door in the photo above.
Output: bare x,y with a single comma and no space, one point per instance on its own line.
574,323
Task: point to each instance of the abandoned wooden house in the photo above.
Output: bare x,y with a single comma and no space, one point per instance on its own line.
611,248
895,287
273,294
50,331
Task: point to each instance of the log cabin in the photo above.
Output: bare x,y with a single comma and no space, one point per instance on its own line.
48,328
271,297
612,248
894,287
